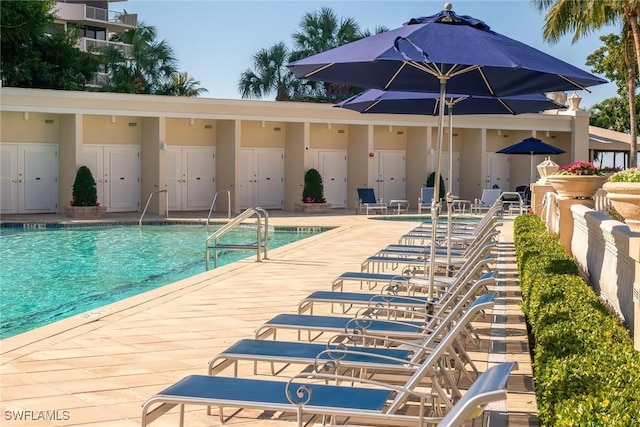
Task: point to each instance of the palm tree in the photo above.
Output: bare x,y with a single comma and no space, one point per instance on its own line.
269,74
584,16
321,31
182,84
144,67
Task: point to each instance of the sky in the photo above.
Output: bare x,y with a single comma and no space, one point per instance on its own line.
214,41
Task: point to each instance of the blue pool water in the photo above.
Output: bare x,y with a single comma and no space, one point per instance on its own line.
54,273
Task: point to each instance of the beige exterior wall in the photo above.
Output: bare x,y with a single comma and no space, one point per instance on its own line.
358,161
74,119
419,140
29,127
328,136
389,137
263,134
191,132
227,149
296,145
111,130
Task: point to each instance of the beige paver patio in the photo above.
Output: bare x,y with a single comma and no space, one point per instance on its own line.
97,369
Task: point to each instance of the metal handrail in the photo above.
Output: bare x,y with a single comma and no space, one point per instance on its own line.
518,195
166,214
213,204
262,242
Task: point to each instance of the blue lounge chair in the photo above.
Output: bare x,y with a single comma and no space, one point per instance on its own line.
490,387
350,351
490,196
388,297
367,201
425,199
405,329
304,395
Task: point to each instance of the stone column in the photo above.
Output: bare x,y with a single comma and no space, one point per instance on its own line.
566,219
537,194
634,253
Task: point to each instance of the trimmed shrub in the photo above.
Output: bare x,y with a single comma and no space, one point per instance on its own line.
313,191
585,368
84,188
431,179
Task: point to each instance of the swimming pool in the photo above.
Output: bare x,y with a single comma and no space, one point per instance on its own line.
49,274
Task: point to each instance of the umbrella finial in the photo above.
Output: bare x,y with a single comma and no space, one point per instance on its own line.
447,6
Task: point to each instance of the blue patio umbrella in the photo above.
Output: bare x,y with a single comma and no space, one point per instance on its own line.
531,146
398,102
402,102
440,53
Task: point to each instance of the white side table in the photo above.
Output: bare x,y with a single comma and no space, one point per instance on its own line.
399,205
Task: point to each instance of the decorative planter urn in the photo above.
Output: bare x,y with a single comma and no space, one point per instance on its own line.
576,186
85,212
625,198
313,208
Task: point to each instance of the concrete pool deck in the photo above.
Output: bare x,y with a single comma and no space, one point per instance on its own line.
96,369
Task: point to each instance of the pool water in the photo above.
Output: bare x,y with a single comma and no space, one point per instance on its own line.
55,273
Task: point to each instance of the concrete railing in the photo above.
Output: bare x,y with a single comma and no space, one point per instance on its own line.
608,253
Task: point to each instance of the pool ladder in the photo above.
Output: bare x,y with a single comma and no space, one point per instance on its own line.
262,242
166,204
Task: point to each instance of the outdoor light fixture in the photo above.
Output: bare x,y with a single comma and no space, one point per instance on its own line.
191,121
25,115
574,102
112,119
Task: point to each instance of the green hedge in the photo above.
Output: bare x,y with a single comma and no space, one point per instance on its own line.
586,370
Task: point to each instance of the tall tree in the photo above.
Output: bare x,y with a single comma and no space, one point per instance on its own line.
31,58
145,67
320,31
585,16
612,60
269,75
182,84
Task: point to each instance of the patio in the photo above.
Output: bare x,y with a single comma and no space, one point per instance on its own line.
97,369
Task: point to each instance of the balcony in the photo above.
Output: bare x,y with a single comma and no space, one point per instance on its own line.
97,46
97,81
88,15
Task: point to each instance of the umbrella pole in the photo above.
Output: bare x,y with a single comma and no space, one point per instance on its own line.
435,206
449,193
531,169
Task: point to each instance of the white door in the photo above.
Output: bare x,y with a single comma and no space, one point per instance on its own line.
332,165
29,178
498,171
390,175
261,178
453,187
190,177
116,169
173,177
9,178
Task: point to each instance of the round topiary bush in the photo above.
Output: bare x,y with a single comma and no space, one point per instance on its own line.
431,179
313,191
84,188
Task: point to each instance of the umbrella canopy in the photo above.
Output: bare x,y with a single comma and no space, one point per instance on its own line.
440,53
397,102
462,50
531,146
